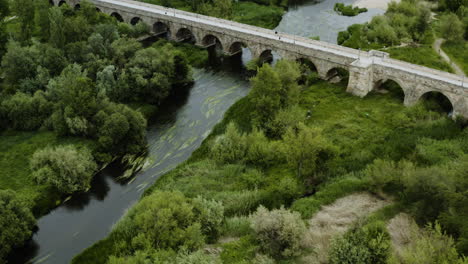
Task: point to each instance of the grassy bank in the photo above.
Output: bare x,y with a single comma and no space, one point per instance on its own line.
16,149
458,53
423,55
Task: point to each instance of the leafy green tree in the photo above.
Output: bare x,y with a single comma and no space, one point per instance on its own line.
64,167
307,151
162,220
24,10
25,112
57,27
211,216
18,63
120,129
77,100
4,12
266,95
451,27
16,221
124,49
42,19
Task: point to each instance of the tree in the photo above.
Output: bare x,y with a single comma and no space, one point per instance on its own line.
18,63
57,27
64,167
280,232
77,100
16,221
24,10
42,19
451,27
307,150
25,112
266,95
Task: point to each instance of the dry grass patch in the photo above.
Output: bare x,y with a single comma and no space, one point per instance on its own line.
335,219
401,229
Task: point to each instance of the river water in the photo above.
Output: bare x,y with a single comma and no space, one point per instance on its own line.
182,124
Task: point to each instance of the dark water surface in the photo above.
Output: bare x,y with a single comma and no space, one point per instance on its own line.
180,128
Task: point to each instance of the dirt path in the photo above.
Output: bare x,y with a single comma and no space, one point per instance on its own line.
335,219
437,47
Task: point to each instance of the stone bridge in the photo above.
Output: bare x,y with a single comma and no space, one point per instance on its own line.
367,70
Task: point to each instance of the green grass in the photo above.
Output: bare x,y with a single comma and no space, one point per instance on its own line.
16,148
458,52
423,55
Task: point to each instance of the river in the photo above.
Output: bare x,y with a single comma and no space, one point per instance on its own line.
182,124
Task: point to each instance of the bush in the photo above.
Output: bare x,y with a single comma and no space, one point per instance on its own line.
429,246
16,221
367,245
239,251
280,232
211,215
25,112
64,167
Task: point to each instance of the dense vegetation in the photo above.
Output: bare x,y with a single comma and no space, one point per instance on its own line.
269,152
348,10
408,27
67,80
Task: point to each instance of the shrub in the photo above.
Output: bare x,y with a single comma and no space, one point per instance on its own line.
16,221
64,167
239,251
368,245
280,232
25,112
429,246
210,214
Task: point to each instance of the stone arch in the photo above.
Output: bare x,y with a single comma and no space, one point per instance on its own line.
98,10
266,56
391,85
117,16
309,71
161,29
77,7
212,41
135,21
438,101
185,35
51,2
337,74
62,3
236,47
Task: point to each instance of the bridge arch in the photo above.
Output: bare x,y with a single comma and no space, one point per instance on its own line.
236,47
161,29
266,56
211,40
77,7
135,21
117,16
61,3
438,101
393,86
185,35
337,74
51,2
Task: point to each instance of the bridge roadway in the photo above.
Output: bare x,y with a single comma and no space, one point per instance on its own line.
367,70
